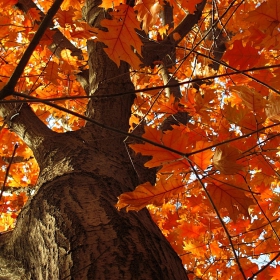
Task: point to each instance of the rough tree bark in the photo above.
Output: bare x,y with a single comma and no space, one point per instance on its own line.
71,229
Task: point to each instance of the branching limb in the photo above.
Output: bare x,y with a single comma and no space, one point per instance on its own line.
9,87
154,51
59,41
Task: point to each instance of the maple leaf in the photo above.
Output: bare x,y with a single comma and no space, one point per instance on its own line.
190,230
35,14
177,140
121,39
273,108
166,187
225,158
234,114
51,72
6,3
202,159
274,272
148,12
111,3
241,57
4,23
65,17
251,98
196,247
268,14
231,198
69,4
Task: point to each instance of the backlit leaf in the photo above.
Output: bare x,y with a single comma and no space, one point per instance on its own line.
148,12
231,198
123,39
225,158
251,98
241,57
165,188
202,159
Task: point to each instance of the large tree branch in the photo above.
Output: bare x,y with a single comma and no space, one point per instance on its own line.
106,79
155,51
8,89
59,41
20,118
23,121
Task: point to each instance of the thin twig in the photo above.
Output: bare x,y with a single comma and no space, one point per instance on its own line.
135,91
8,170
219,217
147,140
264,267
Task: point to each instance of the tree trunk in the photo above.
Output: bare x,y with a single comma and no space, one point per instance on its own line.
71,229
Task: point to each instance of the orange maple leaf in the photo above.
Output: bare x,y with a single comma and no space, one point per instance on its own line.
121,39
226,196
191,230
252,99
5,3
111,3
273,108
34,13
76,4
275,272
170,161
51,72
190,5
268,14
241,57
65,17
166,187
202,159
148,12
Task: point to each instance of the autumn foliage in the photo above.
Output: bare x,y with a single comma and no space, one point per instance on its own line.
217,192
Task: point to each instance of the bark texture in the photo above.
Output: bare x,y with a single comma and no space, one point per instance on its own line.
71,229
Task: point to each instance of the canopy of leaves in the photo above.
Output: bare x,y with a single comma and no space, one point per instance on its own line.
216,198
